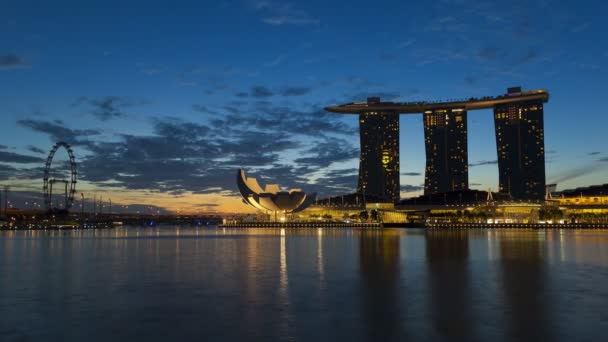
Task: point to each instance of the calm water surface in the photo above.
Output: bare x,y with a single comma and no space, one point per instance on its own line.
213,284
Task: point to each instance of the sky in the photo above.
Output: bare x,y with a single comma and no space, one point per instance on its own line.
163,101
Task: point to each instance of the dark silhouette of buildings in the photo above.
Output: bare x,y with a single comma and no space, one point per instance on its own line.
587,191
518,118
520,145
445,141
459,197
379,160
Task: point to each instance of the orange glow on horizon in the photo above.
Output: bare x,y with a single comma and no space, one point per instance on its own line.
183,204
187,203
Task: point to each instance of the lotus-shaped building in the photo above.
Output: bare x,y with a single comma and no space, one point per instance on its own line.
271,198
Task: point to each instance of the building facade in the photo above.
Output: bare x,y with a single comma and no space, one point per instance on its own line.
379,159
520,145
445,141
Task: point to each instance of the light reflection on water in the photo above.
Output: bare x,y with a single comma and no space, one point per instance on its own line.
322,284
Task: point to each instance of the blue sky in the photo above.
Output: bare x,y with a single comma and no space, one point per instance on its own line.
167,98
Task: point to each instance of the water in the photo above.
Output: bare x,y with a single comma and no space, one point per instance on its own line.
321,285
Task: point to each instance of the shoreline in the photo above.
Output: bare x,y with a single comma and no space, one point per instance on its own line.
371,225
438,226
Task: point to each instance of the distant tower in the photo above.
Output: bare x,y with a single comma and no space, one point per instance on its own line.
6,188
550,189
445,140
520,144
379,159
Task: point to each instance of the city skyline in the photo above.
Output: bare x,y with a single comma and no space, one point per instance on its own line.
172,111
518,121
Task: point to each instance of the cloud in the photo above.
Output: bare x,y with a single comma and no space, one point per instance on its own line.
151,69
6,172
10,157
57,130
264,92
231,109
594,153
406,43
260,91
188,157
323,154
587,66
109,107
36,149
182,131
207,205
215,77
3,147
295,91
203,109
276,61
181,156
567,175
411,188
293,18
449,24
278,13
411,173
11,61
383,95
266,117
27,170
530,55
484,162
335,182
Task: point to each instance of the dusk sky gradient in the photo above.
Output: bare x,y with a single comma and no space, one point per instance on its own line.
164,100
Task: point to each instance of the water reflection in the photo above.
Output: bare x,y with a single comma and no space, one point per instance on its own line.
320,264
311,284
525,286
379,267
283,270
449,284
284,289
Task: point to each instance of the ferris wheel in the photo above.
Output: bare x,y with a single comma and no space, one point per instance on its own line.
51,184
